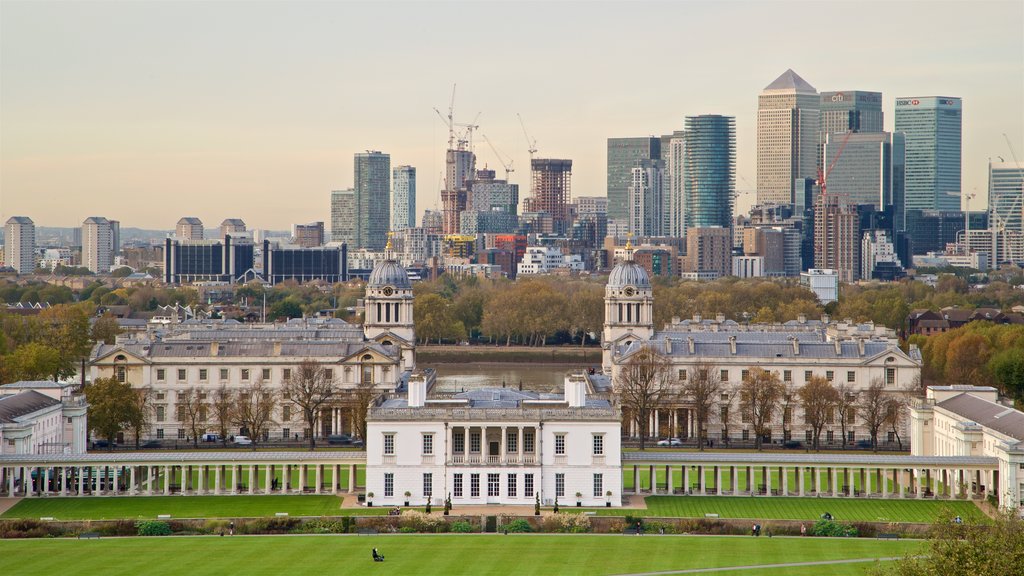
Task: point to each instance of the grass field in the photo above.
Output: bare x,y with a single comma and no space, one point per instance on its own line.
182,507
843,509
433,554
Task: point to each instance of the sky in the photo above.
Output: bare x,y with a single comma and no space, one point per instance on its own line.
148,111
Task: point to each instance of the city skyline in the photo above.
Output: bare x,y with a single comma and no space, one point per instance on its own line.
246,106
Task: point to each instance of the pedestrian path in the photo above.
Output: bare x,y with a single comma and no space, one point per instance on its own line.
764,566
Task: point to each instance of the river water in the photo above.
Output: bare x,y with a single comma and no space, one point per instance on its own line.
536,377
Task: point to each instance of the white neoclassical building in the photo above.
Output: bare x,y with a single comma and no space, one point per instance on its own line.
42,417
970,421
209,354
796,351
495,446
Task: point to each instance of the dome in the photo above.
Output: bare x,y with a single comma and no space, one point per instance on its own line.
628,274
389,273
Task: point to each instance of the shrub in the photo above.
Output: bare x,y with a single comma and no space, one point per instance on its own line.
323,526
407,530
215,526
153,528
118,528
518,526
462,527
420,522
267,526
23,529
574,523
832,528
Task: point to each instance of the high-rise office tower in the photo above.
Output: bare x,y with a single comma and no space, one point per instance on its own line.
492,205
709,170
343,216
551,191
788,116
932,125
403,197
646,199
673,149
373,192
232,226
20,244
115,237
460,166
848,111
1006,195
97,244
837,236
189,228
622,156
870,170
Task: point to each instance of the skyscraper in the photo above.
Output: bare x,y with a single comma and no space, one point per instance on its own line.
709,170
646,199
373,183
848,111
932,125
622,156
233,226
97,244
20,244
673,149
343,216
189,228
788,116
870,170
403,198
1006,195
837,237
551,190
460,165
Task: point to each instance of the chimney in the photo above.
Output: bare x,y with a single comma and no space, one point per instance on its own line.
689,342
839,347
576,390
277,349
825,318
697,318
719,317
417,390
214,348
732,345
801,319
676,319
668,346
796,345
860,346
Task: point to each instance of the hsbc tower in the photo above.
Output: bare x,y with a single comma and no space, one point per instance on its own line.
933,126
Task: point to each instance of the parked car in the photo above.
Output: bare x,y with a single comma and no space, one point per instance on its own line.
671,442
210,437
243,440
344,440
792,444
102,444
151,444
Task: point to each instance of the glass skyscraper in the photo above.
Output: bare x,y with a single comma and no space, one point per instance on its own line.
403,198
871,170
1006,195
787,137
709,170
933,127
373,191
623,154
849,110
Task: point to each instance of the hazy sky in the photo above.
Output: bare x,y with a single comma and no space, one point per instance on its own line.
149,111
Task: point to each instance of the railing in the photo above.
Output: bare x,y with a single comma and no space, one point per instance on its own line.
494,414
481,460
389,459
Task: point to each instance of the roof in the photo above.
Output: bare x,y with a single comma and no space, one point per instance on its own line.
23,403
96,220
38,385
232,222
173,456
226,349
19,220
817,459
989,414
389,273
790,81
628,273
500,398
191,220
760,350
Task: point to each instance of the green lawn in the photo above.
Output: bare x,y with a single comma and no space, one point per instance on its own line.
430,554
778,508
182,507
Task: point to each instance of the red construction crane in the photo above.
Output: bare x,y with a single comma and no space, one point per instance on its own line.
822,178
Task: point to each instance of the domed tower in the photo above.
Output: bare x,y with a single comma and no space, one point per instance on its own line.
389,311
628,308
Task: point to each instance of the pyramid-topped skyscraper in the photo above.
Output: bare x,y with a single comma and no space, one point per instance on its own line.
787,137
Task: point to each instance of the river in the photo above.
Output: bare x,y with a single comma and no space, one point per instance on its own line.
537,377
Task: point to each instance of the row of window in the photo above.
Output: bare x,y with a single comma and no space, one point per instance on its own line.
493,485
245,374
511,443
787,375
181,414
830,436
286,434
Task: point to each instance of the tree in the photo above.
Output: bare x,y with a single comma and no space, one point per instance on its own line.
966,549
1007,368
846,407
358,401
141,416
113,406
759,397
310,388
703,387
643,380
285,309
873,407
105,329
725,409
66,329
192,411
31,361
255,409
223,407
819,399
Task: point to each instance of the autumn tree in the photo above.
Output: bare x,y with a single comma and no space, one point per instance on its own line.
142,415
310,388
759,397
113,407
31,361
105,329
703,389
255,409
873,406
192,412
818,398
846,407
644,379
223,409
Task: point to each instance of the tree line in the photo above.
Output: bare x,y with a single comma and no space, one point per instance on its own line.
979,353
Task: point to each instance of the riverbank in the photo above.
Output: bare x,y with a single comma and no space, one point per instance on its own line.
570,355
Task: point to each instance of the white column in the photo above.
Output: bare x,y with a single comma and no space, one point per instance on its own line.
167,480
131,481
686,478
835,481
657,424
800,480
351,478
817,481
252,478
44,489
318,478
784,480
302,478
502,448
216,479
636,479
767,480
670,476
268,478
733,483
718,480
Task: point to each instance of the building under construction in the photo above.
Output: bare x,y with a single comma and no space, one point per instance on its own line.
837,237
551,191
460,166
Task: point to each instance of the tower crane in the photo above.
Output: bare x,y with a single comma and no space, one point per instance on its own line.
507,165
450,120
530,142
823,177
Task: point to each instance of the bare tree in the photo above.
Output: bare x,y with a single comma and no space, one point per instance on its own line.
310,388
703,387
759,397
846,408
223,407
895,411
874,407
643,380
790,399
358,401
819,398
726,411
192,412
142,415
255,409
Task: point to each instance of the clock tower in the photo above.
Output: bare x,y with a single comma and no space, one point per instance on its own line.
389,307
628,308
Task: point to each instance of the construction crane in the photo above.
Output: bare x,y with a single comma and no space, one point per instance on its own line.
465,140
823,177
507,165
450,120
530,143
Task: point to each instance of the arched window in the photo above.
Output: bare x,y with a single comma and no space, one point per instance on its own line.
120,370
366,370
